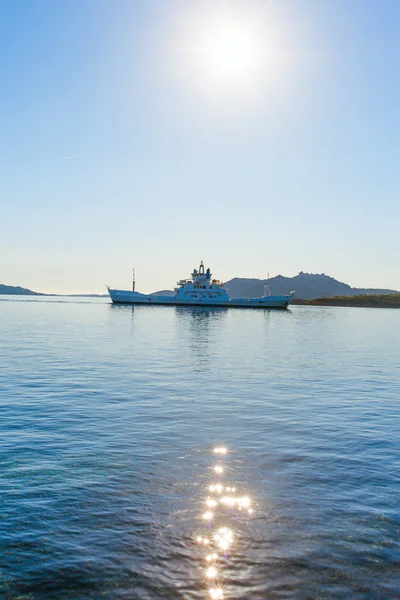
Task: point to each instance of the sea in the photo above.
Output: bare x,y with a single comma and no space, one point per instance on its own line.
189,453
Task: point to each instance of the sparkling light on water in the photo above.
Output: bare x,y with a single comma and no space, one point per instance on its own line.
207,516
216,488
216,593
220,538
220,450
211,557
211,573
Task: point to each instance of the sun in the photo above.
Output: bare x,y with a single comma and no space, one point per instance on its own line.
231,52
228,55
222,44
227,52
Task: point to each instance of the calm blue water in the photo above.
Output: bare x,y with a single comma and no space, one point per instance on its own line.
108,420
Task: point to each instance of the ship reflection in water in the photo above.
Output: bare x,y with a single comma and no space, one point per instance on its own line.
217,537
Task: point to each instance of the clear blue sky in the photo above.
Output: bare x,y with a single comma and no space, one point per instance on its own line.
174,159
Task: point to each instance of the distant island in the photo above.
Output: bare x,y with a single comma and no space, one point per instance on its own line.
17,291
20,291
307,286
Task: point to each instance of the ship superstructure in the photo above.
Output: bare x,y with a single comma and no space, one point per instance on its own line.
200,287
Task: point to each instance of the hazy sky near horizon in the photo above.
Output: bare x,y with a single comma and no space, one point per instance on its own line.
262,136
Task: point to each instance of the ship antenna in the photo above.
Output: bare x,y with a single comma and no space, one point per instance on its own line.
267,289
133,280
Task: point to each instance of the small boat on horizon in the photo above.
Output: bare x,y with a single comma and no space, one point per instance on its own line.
199,290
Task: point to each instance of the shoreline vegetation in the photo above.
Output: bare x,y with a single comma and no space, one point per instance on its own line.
361,300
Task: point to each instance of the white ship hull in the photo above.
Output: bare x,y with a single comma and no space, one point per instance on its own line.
129,297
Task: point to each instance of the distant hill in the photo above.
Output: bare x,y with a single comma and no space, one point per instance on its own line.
20,291
306,285
17,291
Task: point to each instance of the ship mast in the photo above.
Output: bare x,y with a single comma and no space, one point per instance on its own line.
133,280
201,268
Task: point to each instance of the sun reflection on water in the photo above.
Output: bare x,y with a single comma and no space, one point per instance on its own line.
219,539
220,450
216,593
211,572
207,516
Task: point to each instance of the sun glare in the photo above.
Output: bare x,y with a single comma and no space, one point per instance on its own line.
227,48
231,58
232,51
228,52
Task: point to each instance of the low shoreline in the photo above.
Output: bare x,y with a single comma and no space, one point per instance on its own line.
362,300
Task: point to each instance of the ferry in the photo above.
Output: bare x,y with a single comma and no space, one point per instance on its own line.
199,290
